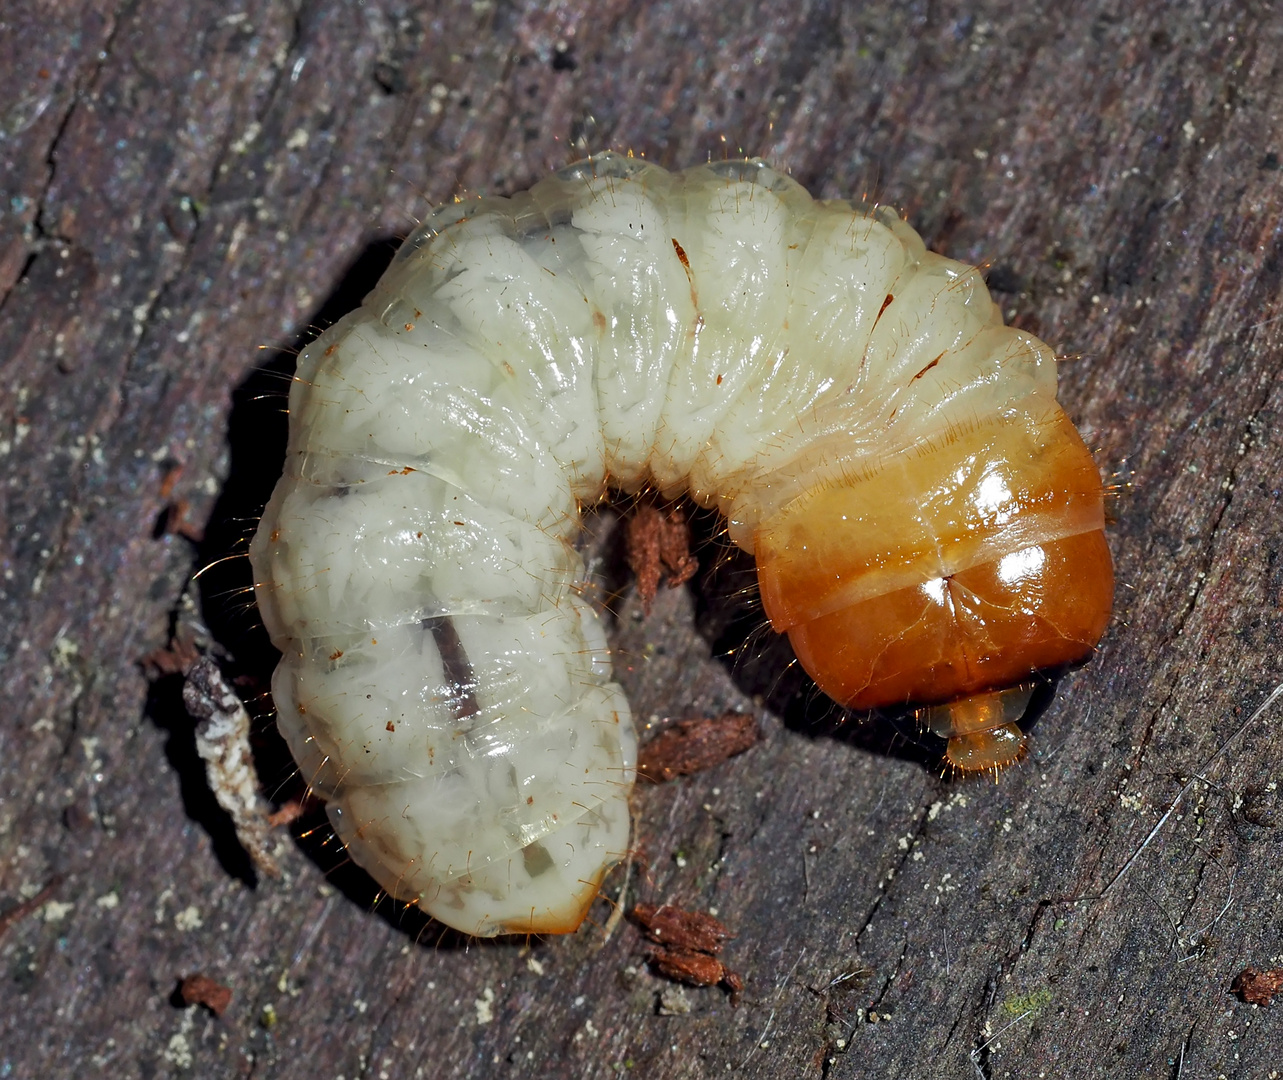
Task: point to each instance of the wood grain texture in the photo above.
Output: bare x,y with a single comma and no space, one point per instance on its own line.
181,184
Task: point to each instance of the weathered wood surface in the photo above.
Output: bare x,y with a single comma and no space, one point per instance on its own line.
182,183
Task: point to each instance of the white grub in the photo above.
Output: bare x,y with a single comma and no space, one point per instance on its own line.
222,741
443,684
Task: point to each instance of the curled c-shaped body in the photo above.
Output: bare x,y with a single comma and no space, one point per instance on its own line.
927,522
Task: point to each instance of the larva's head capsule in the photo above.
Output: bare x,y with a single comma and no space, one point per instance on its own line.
955,568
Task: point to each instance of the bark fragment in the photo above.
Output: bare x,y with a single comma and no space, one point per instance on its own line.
200,989
685,945
657,542
1256,987
691,746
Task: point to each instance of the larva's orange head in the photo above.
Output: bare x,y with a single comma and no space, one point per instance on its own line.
956,568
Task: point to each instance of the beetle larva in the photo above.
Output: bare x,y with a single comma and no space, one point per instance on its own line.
926,520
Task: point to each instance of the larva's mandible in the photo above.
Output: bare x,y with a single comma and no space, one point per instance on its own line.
927,522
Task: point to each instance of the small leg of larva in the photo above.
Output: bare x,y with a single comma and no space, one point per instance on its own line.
982,729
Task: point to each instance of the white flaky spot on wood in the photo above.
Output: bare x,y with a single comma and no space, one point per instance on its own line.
222,741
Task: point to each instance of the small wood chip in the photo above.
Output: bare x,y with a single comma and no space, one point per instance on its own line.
202,990
687,965
668,925
690,746
1257,987
176,659
658,541
686,944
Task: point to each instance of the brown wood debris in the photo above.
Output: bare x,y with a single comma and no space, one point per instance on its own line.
1256,987
202,990
669,925
174,659
658,541
691,746
685,944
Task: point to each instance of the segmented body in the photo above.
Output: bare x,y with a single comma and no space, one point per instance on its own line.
715,332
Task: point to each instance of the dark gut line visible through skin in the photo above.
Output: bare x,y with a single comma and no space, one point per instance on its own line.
455,664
